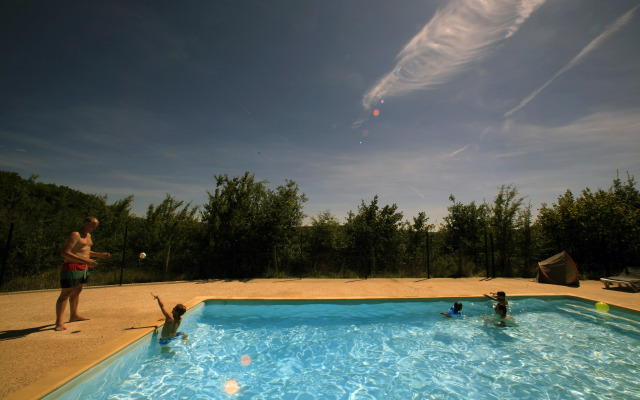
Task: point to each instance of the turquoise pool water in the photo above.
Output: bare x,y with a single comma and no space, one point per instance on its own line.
561,349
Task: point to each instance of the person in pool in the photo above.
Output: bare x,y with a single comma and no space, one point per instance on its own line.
172,321
503,319
455,311
500,297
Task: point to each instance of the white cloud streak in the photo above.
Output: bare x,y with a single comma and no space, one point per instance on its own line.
595,43
457,36
458,151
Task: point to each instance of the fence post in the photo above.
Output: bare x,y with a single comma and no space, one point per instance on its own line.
486,254
124,249
493,259
6,254
428,260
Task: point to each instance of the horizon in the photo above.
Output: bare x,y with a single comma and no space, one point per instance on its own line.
412,102
307,220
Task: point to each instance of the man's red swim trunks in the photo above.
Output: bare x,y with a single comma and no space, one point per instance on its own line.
73,274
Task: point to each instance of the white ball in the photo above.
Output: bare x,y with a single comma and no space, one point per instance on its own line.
142,256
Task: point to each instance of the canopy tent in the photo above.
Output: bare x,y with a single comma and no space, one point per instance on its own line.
559,269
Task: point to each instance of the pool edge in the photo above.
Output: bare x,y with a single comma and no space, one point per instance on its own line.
75,368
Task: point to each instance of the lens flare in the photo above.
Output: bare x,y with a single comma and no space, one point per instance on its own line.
231,387
376,112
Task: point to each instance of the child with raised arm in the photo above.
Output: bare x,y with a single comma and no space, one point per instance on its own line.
500,297
172,321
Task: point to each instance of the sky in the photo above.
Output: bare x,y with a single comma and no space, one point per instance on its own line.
409,100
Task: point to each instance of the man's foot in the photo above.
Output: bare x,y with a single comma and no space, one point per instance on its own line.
78,318
60,327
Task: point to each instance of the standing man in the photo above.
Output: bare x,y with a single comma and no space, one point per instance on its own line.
75,270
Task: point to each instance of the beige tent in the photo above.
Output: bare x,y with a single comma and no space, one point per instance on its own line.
559,269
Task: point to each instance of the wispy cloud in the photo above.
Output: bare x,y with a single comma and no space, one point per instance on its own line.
458,35
458,151
422,196
595,43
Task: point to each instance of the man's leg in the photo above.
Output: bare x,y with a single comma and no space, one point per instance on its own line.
61,304
74,300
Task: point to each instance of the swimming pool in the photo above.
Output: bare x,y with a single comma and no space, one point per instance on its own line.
382,349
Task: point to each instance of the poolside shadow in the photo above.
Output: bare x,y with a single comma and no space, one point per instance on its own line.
20,333
140,327
204,281
486,279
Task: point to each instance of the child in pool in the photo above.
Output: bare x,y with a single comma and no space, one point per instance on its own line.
503,319
500,297
172,321
455,311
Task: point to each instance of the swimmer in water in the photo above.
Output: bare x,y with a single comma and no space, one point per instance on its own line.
455,311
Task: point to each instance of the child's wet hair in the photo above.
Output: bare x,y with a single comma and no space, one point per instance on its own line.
179,309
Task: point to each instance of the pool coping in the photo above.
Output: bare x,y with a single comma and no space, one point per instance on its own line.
75,368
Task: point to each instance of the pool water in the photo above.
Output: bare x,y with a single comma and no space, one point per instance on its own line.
386,349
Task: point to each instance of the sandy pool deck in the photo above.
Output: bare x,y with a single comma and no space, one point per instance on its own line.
32,354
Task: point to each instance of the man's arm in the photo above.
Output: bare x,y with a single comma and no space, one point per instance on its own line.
99,255
68,255
167,315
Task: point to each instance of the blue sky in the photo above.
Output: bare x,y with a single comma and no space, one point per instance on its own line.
157,97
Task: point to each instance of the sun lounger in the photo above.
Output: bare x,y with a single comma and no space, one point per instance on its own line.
630,279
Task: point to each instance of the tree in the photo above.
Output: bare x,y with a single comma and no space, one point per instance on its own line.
326,241
374,233
246,221
505,210
167,225
417,235
601,230
464,229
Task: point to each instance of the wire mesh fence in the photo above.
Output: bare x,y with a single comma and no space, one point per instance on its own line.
33,261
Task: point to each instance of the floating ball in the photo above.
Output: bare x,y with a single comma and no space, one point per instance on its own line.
231,387
600,306
142,256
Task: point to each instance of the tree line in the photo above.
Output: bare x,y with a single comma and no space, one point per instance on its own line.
248,230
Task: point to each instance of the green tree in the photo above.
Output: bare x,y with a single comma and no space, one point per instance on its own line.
601,230
506,207
374,234
247,222
168,225
415,243
464,231
326,242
